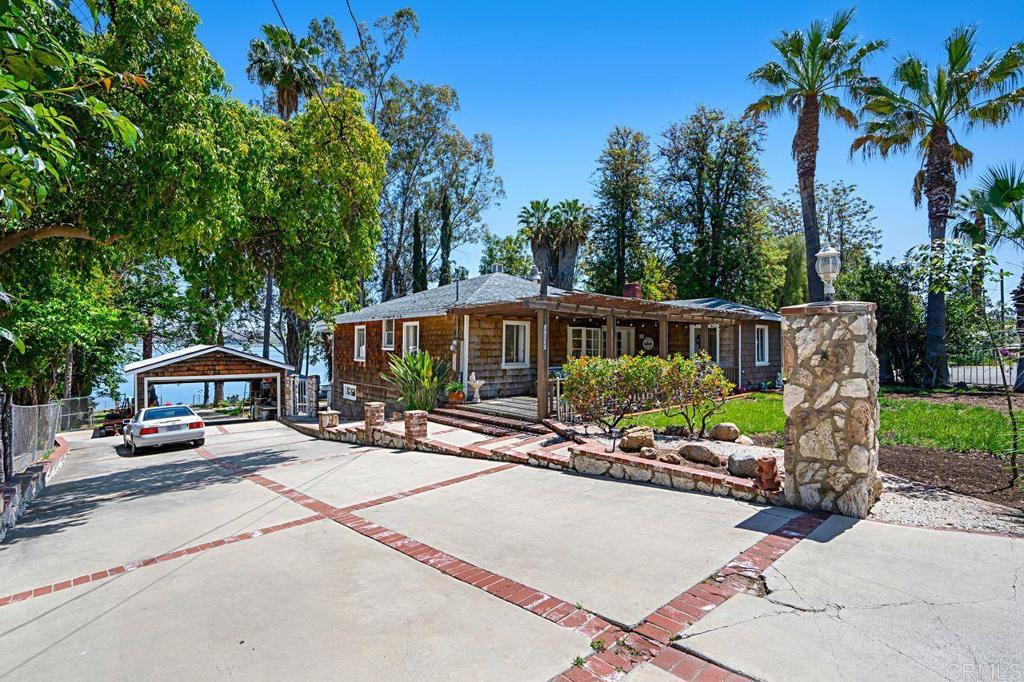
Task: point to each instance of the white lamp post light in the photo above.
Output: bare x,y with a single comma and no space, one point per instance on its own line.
827,266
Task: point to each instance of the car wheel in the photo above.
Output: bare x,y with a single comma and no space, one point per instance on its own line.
132,449
200,443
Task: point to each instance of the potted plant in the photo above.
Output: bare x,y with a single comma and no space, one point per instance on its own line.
456,392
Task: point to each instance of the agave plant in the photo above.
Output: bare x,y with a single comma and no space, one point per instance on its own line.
418,378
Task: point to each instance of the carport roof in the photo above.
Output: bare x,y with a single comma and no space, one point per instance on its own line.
193,352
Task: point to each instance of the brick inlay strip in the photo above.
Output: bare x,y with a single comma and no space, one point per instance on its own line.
652,640
162,558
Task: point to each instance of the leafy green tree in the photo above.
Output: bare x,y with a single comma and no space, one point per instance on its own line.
794,285
922,111
51,91
444,269
419,256
711,198
510,252
624,193
815,68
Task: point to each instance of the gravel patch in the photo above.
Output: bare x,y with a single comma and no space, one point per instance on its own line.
918,504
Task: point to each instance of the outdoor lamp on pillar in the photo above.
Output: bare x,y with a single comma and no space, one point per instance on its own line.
827,266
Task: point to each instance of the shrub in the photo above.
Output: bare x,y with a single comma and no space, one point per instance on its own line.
604,391
693,388
454,387
419,380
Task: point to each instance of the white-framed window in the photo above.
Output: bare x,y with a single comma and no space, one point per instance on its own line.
410,337
387,336
695,340
359,352
348,391
515,344
586,341
625,341
761,345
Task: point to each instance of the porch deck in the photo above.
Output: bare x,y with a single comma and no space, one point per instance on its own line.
517,407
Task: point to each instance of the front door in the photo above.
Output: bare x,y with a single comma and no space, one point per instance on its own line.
625,340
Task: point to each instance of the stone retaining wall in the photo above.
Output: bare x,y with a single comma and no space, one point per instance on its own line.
28,485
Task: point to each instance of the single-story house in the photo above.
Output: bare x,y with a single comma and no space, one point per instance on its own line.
511,334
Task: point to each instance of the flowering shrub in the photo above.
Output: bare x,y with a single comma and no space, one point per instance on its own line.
604,391
694,388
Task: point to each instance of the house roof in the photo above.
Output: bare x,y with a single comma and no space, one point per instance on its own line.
496,287
719,305
489,293
193,352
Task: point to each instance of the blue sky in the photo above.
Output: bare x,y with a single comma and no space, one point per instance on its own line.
549,80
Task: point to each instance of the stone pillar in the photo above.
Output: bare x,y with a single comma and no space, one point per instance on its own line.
415,427
831,406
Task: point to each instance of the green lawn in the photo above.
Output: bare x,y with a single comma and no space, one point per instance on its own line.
905,421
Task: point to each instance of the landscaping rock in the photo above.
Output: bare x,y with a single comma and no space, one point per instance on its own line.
669,455
744,440
700,453
637,437
725,431
648,453
743,464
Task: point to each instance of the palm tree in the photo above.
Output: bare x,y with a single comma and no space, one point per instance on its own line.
571,223
280,62
921,111
535,219
972,225
814,69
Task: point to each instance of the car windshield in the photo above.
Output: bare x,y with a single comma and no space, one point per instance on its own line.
167,412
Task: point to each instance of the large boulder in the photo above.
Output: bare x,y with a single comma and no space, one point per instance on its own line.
635,438
725,431
701,454
744,440
648,453
743,464
669,455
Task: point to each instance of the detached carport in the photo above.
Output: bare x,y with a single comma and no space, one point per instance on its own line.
204,363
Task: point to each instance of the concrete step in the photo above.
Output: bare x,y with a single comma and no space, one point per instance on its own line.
478,427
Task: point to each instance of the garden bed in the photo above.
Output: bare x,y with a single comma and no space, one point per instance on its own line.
977,474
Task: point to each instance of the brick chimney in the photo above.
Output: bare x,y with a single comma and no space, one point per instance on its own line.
632,290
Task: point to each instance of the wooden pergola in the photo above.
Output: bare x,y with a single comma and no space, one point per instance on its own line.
611,308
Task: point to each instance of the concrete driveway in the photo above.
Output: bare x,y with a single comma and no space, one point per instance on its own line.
268,555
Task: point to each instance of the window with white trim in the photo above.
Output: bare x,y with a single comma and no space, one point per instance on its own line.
387,337
761,345
515,344
359,352
586,341
695,341
410,337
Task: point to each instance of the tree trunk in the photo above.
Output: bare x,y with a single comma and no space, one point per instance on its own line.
268,305
444,275
565,271
69,367
147,340
206,393
419,256
940,191
295,338
1018,309
6,437
805,152
218,392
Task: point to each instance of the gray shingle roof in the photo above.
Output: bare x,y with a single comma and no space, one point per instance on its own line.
719,305
496,287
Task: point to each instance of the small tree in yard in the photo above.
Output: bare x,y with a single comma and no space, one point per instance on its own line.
693,388
604,391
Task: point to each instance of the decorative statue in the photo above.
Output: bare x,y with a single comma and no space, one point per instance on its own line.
474,385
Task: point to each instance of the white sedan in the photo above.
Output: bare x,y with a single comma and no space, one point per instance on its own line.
162,426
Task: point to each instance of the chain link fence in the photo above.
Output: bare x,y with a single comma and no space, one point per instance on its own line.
33,430
76,413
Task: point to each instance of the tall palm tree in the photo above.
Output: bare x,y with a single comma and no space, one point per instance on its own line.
922,110
280,62
972,225
571,223
535,219
814,69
